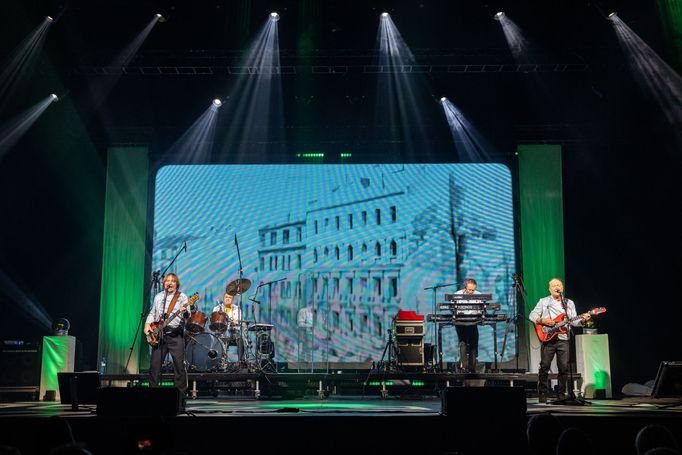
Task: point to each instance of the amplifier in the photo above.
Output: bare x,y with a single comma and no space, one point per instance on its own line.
19,363
411,351
409,328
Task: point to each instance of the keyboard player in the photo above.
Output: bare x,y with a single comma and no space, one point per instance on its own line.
468,335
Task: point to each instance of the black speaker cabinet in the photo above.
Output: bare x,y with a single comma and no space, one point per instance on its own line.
139,401
411,351
78,388
668,380
20,365
490,417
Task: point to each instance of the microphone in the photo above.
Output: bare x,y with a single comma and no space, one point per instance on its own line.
184,247
212,353
254,300
559,292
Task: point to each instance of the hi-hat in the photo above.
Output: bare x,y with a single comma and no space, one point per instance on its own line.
236,287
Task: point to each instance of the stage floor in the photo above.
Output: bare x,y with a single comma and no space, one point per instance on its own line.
349,424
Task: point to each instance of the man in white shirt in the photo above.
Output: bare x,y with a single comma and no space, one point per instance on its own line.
468,334
545,312
172,339
234,316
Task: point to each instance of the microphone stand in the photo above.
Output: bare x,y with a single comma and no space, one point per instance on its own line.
519,291
239,292
571,399
154,288
435,343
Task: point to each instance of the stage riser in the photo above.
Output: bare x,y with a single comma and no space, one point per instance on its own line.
291,385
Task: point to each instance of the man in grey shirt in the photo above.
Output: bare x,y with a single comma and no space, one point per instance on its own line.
545,312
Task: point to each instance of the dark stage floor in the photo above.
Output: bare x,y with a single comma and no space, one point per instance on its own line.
337,424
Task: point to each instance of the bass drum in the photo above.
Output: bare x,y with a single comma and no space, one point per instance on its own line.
204,352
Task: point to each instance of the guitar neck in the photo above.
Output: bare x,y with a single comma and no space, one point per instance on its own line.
190,302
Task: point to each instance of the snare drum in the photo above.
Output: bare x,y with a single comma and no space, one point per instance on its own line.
196,322
219,322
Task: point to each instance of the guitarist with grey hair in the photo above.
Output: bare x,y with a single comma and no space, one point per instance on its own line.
164,329
554,311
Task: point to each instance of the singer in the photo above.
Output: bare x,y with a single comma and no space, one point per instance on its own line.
172,340
546,311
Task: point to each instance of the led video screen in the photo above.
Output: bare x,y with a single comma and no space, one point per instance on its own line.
332,252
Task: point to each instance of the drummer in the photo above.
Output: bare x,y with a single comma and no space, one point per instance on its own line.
234,313
230,308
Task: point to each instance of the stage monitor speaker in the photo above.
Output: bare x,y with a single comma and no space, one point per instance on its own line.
668,381
478,413
19,364
78,388
139,401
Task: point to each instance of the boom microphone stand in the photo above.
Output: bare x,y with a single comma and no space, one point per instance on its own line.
154,288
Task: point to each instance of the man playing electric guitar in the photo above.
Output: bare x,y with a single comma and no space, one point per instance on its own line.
545,312
171,340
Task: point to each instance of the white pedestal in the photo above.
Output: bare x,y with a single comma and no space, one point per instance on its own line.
593,364
59,355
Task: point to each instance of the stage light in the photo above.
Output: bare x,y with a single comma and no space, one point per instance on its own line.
49,19
274,16
160,17
612,14
55,98
61,327
217,102
498,15
443,99
384,14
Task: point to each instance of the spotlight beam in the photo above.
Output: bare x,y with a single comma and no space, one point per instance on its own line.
255,110
22,59
30,307
196,143
651,72
101,89
469,143
11,132
518,44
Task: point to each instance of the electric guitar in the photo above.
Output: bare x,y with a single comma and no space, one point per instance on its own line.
157,327
546,333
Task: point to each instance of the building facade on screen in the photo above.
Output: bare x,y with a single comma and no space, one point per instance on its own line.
350,244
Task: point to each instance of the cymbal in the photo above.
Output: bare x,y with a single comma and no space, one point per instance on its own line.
234,288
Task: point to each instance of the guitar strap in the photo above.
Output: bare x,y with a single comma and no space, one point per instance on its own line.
172,305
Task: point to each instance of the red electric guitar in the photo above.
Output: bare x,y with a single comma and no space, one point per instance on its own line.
158,326
546,333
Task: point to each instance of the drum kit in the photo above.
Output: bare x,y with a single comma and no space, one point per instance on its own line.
208,350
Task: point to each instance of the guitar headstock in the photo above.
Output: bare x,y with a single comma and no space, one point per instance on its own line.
597,311
193,299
